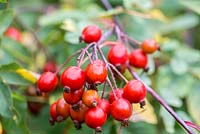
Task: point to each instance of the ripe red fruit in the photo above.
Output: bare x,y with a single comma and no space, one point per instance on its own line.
95,117
121,109
73,97
118,92
118,55
73,78
50,66
96,72
134,91
149,46
91,34
53,111
138,58
104,105
79,115
62,108
47,82
90,98
14,34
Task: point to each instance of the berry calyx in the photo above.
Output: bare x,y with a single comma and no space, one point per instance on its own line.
104,105
73,78
96,72
90,98
118,55
50,66
91,34
95,117
73,97
118,92
121,109
149,46
134,91
13,33
62,108
47,82
138,58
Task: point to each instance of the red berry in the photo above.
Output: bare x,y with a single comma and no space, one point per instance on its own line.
149,46
118,93
104,105
138,58
79,115
53,111
50,66
62,108
90,98
121,109
73,97
95,117
47,82
118,55
73,78
134,91
14,34
91,34
96,72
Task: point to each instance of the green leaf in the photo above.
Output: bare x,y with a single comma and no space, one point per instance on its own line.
3,1
6,100
193,100
168,120
10,76
6,18
191,4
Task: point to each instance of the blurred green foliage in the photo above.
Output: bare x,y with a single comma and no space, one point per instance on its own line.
58,24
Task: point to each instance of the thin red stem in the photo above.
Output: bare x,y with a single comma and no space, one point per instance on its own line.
191,124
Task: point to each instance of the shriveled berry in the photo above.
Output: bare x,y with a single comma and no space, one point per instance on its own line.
121,109
118,92
96,72
73,78
90,98
73,97
47,82
149,46
138,58
62,108
118,55
134,91
91,34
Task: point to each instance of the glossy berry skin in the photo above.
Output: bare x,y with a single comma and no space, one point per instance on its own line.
62,108
118,55
118,92
14,34
138,58
95,117
149,46
73,77
104,105
91,34
79,115
134,91
47,82
53,111
90,98
96,72
73,97
121,109
50,66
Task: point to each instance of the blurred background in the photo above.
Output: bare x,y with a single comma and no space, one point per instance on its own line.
47,31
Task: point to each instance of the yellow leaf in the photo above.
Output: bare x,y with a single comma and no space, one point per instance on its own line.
27,75
147,114
1,128
157,14
160,39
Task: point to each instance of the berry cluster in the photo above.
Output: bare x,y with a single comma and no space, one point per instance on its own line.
81,101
